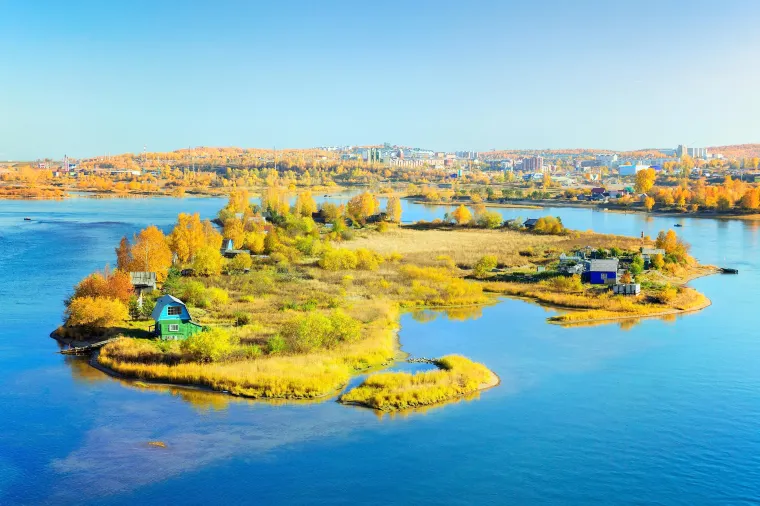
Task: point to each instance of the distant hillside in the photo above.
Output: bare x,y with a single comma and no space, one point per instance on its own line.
737,150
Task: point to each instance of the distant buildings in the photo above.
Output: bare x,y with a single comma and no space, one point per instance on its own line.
607,160
683,150
631,170
533,164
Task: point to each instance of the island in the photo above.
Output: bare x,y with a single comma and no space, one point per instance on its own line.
292,301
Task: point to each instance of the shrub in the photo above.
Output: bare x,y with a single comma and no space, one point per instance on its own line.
252,351
217,296
239,264
637,266
367,259
276,344
490,219
566,284
96,312
210,345
485,265
666,295
312,331
657,261
241,318
194,293
549,225
338,259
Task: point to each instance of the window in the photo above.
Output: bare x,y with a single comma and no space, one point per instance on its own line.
174,311
173,327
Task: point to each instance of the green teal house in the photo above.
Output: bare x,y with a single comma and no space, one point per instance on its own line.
173,320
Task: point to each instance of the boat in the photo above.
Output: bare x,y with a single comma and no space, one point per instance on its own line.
678,225
27,218
726,270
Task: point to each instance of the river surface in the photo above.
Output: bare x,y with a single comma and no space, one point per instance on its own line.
650,412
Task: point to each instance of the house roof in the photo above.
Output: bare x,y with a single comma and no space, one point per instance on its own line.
530,222
652,251
604,265
162,302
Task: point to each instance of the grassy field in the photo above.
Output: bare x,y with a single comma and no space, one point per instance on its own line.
465,245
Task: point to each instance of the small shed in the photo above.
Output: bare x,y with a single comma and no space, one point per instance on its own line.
626,289
530,223
602,271
142,282
173,320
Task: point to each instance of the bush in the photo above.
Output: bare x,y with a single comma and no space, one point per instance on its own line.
194,293
313,331
96,312
252,351
666,295
637,266
490,219
241,318
566,284
239,264
368,260
210,345
485,265
657,261
276,344
217,296
338,259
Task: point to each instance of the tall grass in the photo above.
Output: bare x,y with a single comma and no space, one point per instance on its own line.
274,376
392,391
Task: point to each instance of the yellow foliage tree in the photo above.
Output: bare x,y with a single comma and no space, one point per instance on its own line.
96,312
645,180
362,207
208,261
461,215
150,253
393,209
187,237
305,204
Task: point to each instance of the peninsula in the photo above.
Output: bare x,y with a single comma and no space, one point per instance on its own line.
291,301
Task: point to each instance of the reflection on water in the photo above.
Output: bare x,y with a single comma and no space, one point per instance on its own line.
458,313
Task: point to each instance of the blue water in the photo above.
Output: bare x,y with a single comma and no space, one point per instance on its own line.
656,412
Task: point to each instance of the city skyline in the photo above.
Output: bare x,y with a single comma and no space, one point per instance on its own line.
88,79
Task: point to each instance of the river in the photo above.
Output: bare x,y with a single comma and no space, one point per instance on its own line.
656,411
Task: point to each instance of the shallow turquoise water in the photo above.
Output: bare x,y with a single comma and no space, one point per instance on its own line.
661,412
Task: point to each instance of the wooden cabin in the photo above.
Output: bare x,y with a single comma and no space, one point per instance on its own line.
173,320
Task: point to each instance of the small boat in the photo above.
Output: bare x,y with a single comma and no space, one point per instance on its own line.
678,225
726,270
27,218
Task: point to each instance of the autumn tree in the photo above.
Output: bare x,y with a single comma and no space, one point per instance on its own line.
645,180
208,261
234,229
461,215
393,209
362,207
150,253
95,312
648,203
108,284
187,237
305,204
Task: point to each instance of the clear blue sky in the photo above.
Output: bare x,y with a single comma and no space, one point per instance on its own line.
87,78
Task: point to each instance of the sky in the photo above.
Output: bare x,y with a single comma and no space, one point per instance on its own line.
87,78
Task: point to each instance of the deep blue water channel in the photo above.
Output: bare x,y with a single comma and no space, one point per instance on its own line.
656,412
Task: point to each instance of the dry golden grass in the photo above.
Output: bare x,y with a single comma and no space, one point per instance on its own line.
273,376
466,245
392,391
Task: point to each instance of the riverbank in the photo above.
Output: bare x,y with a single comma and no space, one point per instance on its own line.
674,212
